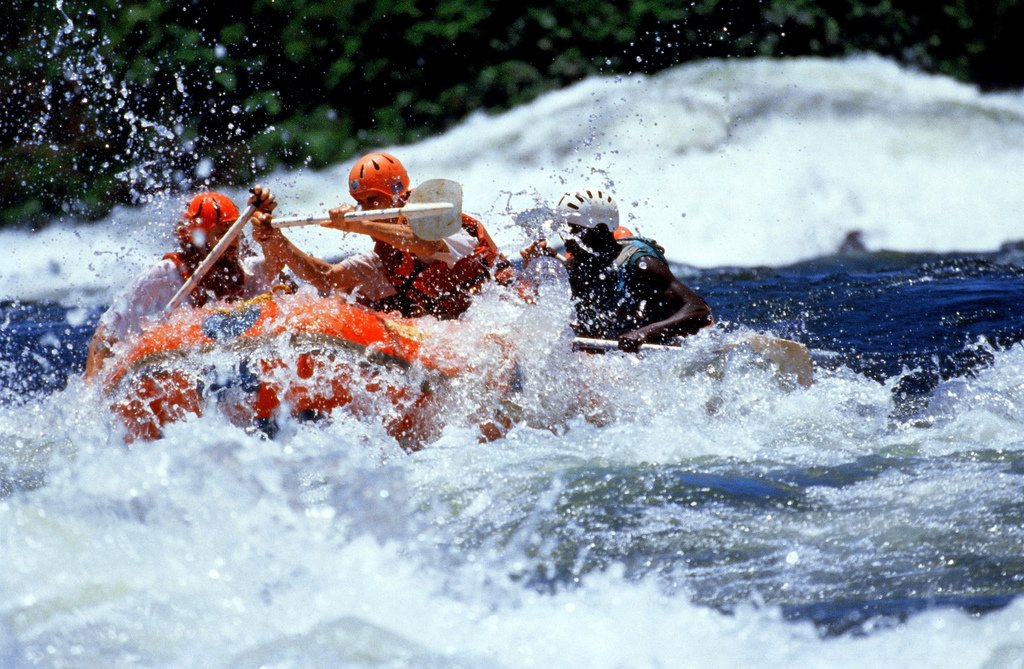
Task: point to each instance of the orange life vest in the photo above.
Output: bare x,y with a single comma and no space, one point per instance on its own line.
435,288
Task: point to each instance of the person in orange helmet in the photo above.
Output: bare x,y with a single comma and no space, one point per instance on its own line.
238,274
622,284
402,272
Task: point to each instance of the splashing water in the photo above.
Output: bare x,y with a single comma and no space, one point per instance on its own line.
681,508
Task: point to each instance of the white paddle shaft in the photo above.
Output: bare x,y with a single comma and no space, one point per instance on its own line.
591,344
410,211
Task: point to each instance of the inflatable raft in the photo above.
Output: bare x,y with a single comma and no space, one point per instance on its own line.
301,354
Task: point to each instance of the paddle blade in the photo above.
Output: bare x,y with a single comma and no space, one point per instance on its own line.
789,357
445,224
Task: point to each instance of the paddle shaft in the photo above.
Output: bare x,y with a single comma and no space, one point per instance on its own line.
591,344
208,262
411,211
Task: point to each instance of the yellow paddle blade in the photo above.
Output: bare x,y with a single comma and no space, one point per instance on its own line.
789,357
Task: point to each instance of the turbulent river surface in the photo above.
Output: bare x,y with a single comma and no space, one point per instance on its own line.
644,511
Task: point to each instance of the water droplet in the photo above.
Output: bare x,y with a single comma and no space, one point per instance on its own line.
204,168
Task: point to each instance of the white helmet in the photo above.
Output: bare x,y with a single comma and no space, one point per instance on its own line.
588,208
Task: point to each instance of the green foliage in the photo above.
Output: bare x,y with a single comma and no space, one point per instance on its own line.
118,99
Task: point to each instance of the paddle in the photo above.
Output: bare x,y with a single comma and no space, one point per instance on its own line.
790,357
230,236
409,211
434,211
600,345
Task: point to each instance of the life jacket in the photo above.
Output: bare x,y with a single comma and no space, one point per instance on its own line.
636,248
614,302
435,288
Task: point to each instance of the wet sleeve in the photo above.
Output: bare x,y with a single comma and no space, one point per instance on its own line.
369,271
144,299
458,246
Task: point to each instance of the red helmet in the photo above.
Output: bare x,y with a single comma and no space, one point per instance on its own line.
205,211
378,174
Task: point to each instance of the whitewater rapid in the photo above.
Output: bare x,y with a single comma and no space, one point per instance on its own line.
328,546
738,163
643,511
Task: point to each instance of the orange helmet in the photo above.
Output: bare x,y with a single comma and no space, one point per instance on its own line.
378,174
205,211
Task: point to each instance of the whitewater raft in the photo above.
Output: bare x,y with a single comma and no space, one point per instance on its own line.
302,355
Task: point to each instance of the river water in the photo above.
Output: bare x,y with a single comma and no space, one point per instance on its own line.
643,512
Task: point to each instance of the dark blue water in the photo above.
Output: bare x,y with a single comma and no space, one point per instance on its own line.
720,566
924,318
39,347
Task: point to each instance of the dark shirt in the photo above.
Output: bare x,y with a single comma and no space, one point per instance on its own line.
612,292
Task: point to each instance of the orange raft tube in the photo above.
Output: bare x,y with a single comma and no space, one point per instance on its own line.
302,354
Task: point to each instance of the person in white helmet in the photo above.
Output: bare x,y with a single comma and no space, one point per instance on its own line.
622,285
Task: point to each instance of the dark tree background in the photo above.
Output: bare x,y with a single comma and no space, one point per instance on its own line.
111,101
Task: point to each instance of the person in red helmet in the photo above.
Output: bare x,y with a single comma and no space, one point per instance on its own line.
238,274
402,272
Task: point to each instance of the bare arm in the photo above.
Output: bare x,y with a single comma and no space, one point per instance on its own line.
692,314
277,249
536,250
273,263
398,235
265,203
